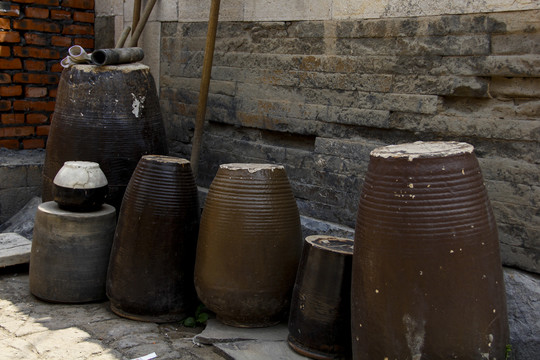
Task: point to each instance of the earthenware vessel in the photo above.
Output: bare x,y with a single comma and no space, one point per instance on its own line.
80,186
70,253
249,245
150,275
320,316
427,277
104,114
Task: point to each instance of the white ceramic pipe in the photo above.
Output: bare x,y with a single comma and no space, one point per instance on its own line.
78,54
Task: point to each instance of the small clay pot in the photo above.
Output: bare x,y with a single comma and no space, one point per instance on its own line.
427,278
80,186
150,275
320,316
249,245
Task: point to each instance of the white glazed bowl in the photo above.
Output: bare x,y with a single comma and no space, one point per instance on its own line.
80,186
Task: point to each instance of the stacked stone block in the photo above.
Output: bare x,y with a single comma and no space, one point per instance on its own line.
318,96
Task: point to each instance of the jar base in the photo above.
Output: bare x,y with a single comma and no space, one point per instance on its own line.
239,324
165,318
311,353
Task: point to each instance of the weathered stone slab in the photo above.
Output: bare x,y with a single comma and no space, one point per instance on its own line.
14,249
259,350
523,301
22,222
217,332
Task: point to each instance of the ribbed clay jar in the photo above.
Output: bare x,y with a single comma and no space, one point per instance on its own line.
427,278
150,275
320,316
104,114
249,245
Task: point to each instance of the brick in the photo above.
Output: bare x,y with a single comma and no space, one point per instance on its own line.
79,4
86,17
37,25
56,67
43,130
33,143
16,131
34,65
40,2
10,64
34,52
35,92
12,118
36,119
84,42
78,30
61,41
5,24
53,92
36,39
9,91
60,15
14,10
25,105
38,13
10,37
5,105
5,51
9,144
5,78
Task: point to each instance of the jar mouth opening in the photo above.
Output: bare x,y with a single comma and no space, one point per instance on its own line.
423,149
251,167
332,243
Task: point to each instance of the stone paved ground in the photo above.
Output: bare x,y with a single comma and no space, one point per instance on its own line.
33,329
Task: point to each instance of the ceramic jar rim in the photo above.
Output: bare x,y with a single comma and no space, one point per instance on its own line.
120,67
251,167
423,149
325,242
166,159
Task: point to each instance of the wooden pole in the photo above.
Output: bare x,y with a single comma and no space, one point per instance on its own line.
141,23
205,85
136,13
123,37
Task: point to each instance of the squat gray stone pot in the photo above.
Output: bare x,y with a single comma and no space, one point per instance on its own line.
70,253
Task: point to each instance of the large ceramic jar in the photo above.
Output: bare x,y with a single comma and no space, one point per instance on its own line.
104,114
320,316
427,278
249,245
150,275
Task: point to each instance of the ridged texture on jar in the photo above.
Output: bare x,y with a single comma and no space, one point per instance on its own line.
151,268
427,275
249,245
104,114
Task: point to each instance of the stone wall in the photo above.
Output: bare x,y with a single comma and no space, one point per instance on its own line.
318,96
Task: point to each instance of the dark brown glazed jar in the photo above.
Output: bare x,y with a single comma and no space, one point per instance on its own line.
427,278
249,245
150,275
320,316
104,114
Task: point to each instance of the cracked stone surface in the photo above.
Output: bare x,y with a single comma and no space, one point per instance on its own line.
33,329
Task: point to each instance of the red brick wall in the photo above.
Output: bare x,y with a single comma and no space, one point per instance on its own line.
34,36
